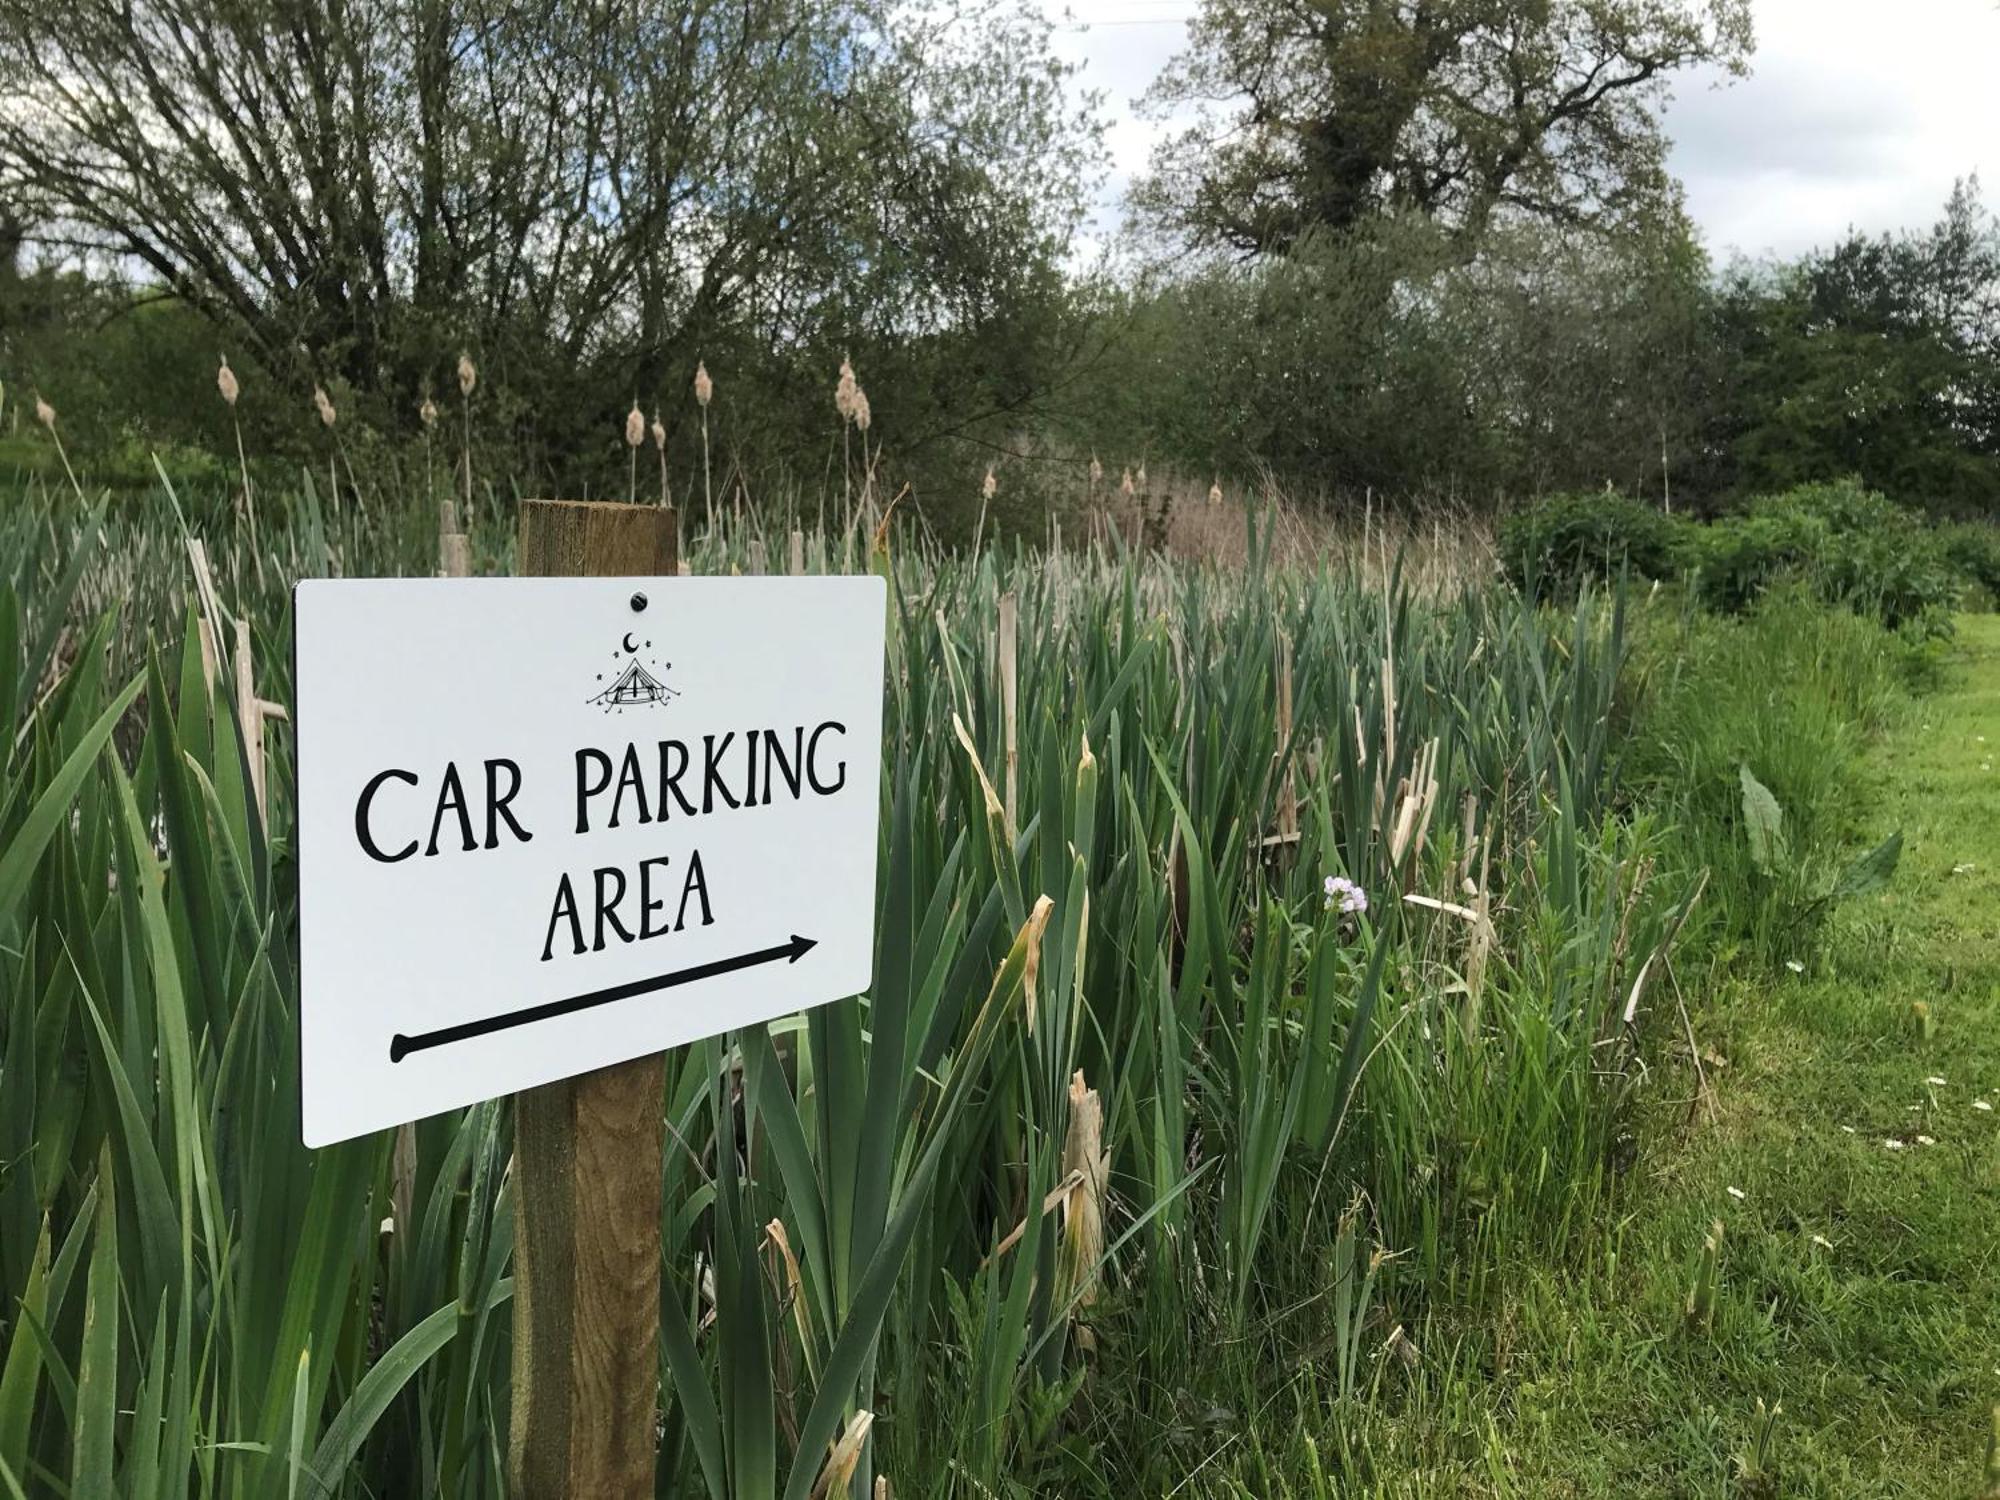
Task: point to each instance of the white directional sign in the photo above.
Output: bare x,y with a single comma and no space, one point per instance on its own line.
549,824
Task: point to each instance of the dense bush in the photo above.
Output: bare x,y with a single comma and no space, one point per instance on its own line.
1850,545
1973,548
1845,544
1566,540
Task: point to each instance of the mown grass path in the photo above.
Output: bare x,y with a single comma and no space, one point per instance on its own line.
1853,1159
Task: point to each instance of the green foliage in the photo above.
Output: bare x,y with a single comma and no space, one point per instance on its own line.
1879,357
1558,544
1973,548
218,1311
1850,545
1754,725
1452,111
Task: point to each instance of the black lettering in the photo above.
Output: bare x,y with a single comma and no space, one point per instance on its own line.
774,751
361,830
565,907
647,905
629,775
585,792
750,767
607,909
451,797
497,800
670,777
812,761
711,779
697,883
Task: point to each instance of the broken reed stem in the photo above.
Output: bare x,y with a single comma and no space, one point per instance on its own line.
707,490
1288,788
1009,683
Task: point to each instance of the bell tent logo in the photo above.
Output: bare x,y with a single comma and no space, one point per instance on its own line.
632,686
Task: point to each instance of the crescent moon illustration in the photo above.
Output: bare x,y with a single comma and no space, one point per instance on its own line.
629,644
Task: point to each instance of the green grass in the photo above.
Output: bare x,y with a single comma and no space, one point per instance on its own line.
1859,1284
1223,1193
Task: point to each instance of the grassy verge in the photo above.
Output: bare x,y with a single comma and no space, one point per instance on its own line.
1848,1153
1849,1340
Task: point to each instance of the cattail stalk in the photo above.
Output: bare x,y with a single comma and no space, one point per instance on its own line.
323,404
845,392
635,434
427,414
225,382
660,443
864,417
704,392
468,377
46,415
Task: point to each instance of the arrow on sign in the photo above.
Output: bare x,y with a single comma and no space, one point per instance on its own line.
401,1046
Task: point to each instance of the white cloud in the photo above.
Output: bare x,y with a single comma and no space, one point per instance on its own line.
1857,113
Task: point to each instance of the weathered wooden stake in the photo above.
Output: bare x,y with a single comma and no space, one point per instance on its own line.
588,1158
798,552
454,548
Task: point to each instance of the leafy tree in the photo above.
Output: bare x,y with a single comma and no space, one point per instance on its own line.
1321,114
1878,358
587,195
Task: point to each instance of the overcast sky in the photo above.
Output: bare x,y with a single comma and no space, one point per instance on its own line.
1857,112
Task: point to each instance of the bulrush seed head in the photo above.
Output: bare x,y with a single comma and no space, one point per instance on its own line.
1125,484
428,412
659,431
1096,470
704,388
635,426
323,404
844,392
862,415
468,376
1215,493
1142,476
225,382
45,414
991,486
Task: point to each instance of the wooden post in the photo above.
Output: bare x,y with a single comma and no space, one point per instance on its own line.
798,552
758,565
588,1159
1009,628
454,547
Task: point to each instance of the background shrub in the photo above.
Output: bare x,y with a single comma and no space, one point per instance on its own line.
1973,548
1564,541
1848,544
